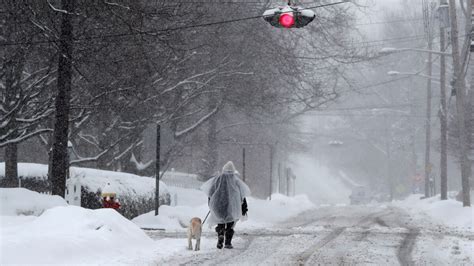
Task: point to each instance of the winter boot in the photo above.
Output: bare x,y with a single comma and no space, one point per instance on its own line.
220,236
228,238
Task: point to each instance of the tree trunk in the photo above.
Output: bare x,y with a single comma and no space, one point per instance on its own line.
461,97
14,69
428,123
11,164
213,147
443,122
61,125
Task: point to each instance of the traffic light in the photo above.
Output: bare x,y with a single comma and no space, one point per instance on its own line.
289,17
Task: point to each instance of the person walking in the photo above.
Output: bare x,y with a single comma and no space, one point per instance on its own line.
227,202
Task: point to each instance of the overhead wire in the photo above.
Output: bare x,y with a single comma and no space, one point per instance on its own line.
156,32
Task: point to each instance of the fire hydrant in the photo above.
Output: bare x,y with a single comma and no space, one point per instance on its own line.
109,199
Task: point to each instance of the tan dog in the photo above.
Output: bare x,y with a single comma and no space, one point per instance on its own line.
194,231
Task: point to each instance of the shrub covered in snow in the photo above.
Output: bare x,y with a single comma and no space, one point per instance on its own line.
136,193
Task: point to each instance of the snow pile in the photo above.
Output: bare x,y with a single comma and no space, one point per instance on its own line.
262,213
72,235
171,218
188,197
63,234
20,201
448,212
265,213
190,203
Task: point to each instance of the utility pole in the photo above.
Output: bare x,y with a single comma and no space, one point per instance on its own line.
59,163
443,106
243,164
461,96
427,13
157,169
271,171
470,109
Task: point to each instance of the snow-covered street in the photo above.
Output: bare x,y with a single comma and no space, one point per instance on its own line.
337,235
283,231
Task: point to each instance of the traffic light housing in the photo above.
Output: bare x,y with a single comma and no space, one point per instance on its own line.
289,17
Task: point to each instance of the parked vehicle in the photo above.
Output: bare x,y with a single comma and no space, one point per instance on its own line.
360,195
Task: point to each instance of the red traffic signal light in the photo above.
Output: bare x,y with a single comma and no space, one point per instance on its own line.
287,20
289,17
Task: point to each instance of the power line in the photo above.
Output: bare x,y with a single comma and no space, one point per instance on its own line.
389,22
421,117
156,32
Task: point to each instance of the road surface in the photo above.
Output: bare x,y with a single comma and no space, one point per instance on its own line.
375,235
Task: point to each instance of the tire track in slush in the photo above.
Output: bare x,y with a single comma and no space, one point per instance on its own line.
306,255
364,222
404,253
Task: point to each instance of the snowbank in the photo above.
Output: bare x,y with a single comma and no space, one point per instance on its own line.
265,213
187,197
171,218
447,212
20,201
190,203
262,213
73,235
42,229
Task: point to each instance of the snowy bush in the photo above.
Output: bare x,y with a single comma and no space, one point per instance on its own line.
133,206
32,183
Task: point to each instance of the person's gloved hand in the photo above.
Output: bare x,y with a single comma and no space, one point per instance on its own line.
244,207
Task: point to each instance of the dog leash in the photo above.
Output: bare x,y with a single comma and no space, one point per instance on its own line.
206,217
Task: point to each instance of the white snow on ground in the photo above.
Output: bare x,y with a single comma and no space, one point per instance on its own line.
261,214
447,230
42,229
445,212
20,201
66,234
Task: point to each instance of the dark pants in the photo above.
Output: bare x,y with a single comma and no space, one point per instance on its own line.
227,230
224,227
